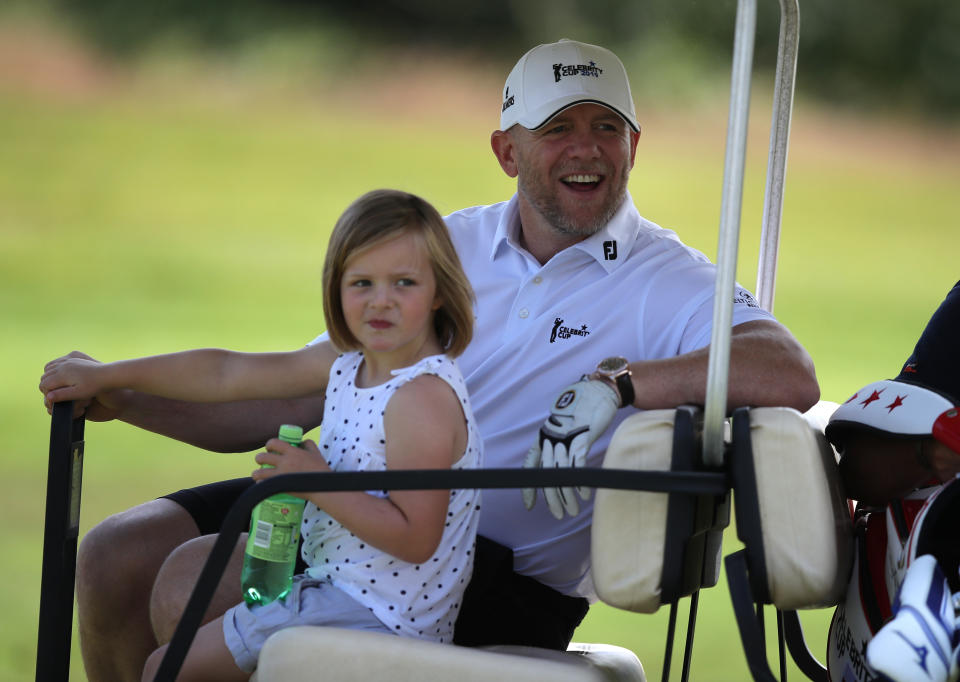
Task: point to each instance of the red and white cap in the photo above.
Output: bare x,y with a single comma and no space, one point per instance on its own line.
556,76
899,408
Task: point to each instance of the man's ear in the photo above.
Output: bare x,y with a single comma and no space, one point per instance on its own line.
503,148
634,140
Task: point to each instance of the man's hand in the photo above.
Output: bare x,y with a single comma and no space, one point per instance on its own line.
580,414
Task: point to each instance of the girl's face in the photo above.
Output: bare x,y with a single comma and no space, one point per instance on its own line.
388,293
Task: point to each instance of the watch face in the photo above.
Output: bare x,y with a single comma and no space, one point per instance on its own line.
612,365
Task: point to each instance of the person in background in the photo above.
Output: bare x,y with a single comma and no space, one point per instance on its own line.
899,442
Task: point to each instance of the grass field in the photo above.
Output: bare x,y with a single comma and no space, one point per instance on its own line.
139,215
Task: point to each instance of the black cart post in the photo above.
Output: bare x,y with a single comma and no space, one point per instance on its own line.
60,533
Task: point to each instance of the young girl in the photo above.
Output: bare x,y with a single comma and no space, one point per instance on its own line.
399,307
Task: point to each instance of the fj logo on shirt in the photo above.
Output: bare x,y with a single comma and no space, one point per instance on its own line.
610,250
561,332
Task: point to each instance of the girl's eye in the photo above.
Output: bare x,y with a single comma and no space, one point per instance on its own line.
360,283
405,282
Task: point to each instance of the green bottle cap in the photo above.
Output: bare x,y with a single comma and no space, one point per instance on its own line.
291,434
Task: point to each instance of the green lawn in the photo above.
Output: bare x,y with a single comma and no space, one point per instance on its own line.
149,220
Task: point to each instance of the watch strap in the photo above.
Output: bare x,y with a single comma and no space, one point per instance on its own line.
625,388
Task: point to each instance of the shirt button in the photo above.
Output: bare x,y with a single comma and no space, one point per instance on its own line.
524,313
538,279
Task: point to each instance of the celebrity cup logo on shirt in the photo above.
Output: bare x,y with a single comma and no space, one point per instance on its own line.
561,70
561,332
744,297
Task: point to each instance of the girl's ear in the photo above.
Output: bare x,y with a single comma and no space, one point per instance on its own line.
437,303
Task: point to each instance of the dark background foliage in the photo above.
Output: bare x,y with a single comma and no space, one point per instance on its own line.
901,56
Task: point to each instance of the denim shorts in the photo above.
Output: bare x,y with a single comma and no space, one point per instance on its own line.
310,602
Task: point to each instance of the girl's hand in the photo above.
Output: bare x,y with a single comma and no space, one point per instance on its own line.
72,377
289,459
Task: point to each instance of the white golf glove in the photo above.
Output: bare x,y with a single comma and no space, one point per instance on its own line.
580,414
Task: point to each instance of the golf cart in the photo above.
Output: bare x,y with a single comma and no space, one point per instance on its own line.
663,499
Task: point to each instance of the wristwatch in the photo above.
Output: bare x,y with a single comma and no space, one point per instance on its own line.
616,370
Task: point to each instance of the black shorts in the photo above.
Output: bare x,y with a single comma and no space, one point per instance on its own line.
499,606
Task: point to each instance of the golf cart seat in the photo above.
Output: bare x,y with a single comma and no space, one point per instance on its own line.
648,549
795,523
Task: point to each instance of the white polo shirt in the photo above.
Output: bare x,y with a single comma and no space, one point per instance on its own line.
633,289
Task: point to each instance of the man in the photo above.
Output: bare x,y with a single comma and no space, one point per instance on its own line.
899,442
567,274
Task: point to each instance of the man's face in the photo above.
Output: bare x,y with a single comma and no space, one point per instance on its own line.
574,170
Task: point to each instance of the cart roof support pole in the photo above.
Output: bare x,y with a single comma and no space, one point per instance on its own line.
718,370
779,141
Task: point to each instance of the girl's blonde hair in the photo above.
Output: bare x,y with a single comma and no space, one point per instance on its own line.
379,216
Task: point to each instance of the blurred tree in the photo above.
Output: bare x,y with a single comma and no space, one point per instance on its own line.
882,53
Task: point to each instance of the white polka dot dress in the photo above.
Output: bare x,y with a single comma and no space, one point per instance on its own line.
416,600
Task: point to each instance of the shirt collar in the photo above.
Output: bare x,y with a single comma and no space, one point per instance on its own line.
508,230
609,247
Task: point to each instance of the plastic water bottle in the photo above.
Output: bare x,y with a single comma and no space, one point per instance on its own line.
271,553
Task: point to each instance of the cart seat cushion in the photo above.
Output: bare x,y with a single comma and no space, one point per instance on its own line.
629,527
314,652
792,514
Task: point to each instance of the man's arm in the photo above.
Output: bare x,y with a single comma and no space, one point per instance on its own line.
768,367
238,426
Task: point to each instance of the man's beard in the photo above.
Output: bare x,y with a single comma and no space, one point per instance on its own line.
563,222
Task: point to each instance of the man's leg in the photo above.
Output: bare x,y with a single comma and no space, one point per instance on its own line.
117,563
177,577
538,615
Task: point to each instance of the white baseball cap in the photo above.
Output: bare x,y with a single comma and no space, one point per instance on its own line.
556,76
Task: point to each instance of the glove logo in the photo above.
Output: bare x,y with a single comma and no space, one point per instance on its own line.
565,399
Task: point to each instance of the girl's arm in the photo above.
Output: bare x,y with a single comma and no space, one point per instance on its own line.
206,375
425,429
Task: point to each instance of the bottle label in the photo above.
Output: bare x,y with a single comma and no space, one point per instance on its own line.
274,531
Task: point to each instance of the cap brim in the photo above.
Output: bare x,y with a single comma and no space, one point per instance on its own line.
627,119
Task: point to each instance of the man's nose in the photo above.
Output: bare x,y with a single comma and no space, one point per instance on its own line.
583,144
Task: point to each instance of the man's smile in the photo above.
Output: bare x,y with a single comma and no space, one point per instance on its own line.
582,181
